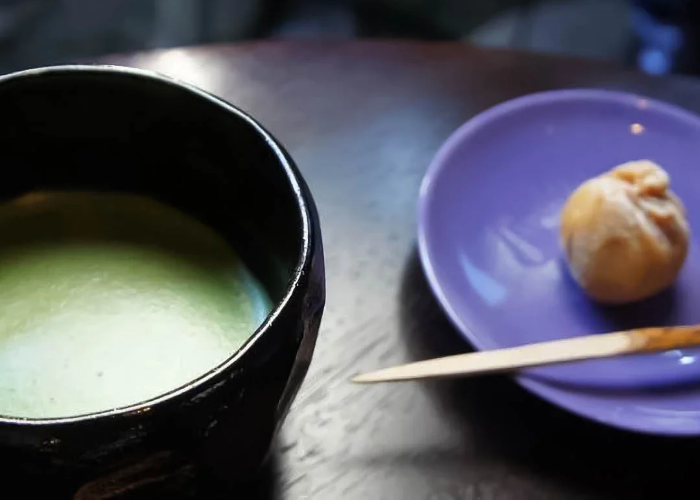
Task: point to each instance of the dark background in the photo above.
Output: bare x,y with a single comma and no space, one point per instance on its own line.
39,32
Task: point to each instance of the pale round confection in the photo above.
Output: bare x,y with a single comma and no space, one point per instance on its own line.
625,233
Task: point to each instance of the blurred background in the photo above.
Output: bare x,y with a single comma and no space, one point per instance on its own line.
658,36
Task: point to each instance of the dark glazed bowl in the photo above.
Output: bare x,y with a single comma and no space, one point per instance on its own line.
118,129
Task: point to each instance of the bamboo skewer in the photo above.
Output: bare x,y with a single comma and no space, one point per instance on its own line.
544,353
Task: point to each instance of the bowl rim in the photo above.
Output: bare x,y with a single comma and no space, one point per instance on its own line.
295,182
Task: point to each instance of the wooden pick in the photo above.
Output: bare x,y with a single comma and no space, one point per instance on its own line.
605,345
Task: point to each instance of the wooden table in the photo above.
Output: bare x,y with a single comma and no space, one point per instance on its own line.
362,121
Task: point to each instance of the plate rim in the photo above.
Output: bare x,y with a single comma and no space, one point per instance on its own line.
542,389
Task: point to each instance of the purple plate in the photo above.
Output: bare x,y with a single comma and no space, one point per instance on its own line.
488,239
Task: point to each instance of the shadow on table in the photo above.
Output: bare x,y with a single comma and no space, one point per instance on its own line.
515,426
264,487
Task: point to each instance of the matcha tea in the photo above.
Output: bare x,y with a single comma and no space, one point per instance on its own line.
108,300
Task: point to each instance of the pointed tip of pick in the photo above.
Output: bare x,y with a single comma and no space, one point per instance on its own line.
360,379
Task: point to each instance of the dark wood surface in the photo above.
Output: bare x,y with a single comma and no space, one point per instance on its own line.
363,120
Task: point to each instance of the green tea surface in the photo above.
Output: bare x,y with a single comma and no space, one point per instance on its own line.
107,300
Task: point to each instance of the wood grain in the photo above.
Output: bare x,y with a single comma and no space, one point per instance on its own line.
655,339
363,121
